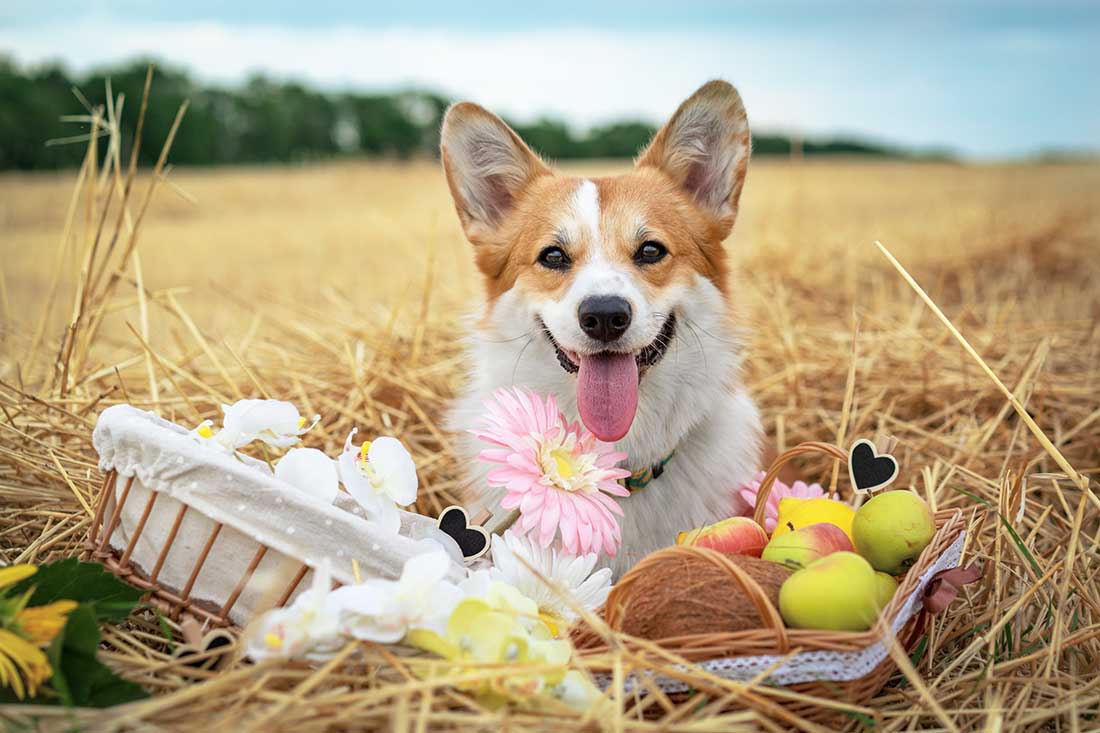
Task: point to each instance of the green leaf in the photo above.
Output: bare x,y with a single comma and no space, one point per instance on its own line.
79,678
867,721
83,582
165,628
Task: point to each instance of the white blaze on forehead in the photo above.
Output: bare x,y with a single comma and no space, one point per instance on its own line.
585,211
597,274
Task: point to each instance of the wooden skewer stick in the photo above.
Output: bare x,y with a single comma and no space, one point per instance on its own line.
191,630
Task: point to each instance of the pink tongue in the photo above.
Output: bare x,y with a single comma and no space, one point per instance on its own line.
607,394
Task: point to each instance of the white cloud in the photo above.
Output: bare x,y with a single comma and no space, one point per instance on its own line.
884,86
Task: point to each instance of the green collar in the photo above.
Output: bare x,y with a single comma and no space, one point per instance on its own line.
640,479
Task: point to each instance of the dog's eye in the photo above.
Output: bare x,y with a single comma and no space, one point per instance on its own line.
554,258
650,252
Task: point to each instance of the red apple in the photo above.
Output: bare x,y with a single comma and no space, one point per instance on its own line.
734,536
801,547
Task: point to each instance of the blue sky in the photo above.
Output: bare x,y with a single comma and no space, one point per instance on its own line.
987,79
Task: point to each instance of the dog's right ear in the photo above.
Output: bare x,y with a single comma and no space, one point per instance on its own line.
487,166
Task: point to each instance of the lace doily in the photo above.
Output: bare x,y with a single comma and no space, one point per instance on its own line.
814,665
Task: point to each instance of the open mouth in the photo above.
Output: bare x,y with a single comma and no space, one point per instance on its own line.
607,381
648,356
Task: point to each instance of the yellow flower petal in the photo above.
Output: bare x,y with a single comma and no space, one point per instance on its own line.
14,573
551,622
9,675
466,614
556,651
480,632
41,624
19,660
433,643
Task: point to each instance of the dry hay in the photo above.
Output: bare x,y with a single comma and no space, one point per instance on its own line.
843,347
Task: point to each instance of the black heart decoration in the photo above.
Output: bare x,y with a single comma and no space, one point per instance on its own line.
216,639
869,469
472,540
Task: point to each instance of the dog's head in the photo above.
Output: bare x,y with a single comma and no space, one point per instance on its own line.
607,268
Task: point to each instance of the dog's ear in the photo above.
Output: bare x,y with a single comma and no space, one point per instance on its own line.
487,166
705,149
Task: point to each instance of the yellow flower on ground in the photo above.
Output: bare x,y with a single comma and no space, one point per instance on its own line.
21,659
42,623
23,664
14,573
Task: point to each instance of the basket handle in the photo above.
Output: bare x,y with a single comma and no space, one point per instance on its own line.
769,478
767,611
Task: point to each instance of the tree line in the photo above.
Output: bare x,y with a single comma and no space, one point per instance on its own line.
269,121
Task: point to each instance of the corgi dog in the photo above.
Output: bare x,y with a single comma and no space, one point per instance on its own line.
614,295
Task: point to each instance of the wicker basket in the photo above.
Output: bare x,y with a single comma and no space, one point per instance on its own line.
181,521
780,648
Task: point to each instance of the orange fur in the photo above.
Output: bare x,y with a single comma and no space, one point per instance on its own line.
641,205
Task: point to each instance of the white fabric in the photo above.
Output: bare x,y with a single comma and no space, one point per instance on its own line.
253,507
813,665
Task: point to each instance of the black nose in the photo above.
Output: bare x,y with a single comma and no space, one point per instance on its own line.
604,317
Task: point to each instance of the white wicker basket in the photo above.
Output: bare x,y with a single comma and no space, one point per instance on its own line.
224,539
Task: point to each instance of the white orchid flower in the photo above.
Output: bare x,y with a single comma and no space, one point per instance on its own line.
578,692
384,610
377,476
310,471
308,628
275,422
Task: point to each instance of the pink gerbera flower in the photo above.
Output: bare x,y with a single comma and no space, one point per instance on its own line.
745,500
559,476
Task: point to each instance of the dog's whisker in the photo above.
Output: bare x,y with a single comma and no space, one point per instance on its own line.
515,367
702,350
720,339
525,334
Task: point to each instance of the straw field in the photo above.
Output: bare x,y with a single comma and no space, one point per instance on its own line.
341,287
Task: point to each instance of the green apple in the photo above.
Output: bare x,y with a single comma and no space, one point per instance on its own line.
892,529
839,592
886,586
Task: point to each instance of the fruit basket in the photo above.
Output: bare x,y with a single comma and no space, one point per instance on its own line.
846,666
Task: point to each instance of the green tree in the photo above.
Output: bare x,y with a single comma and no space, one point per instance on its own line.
270,121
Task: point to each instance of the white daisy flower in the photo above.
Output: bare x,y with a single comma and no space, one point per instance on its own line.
567,576
380,475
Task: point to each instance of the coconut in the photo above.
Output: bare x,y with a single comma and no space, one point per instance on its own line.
693,590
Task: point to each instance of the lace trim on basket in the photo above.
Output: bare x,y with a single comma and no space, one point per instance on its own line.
808,666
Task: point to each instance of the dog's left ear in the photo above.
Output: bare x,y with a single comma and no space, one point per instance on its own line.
705,150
